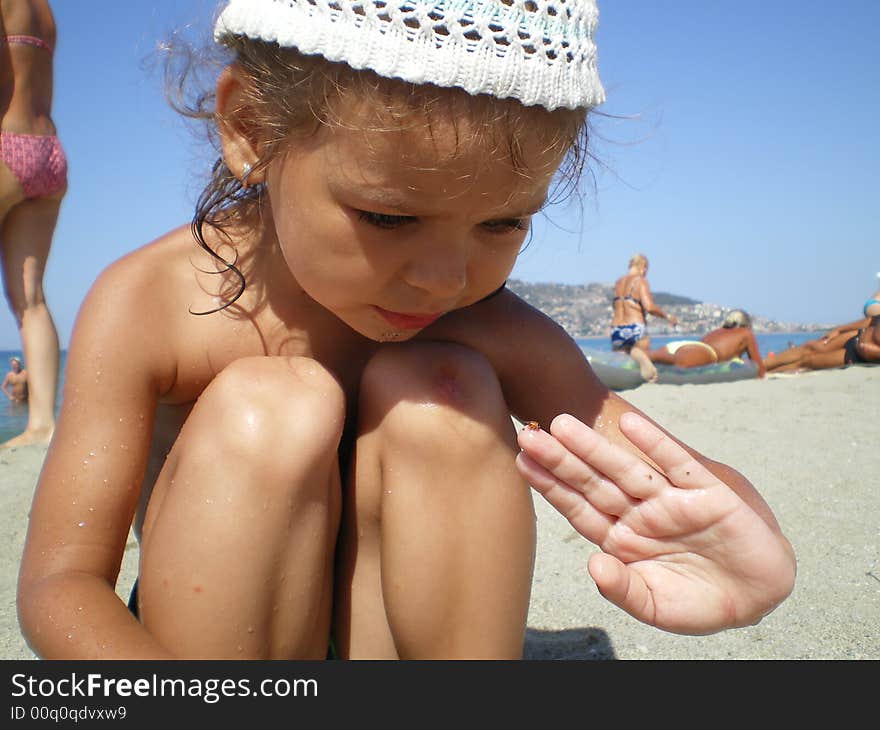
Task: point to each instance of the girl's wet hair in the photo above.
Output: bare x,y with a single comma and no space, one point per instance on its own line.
289,96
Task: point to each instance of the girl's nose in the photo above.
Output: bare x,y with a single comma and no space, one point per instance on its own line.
439,270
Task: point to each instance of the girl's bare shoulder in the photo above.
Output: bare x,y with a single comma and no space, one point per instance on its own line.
171,273
167,301
128,314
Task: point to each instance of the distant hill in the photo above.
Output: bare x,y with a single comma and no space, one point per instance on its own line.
585,310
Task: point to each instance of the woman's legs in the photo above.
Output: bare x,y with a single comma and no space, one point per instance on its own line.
811,355
823,360
639,353
437,543
662,355
26,237
237,553
792,357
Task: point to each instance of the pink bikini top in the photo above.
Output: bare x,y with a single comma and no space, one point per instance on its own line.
29,40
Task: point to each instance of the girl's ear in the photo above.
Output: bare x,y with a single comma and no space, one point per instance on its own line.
237,142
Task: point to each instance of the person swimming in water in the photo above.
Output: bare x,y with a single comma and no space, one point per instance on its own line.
14,384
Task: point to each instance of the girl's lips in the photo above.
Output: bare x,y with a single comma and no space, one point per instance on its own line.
404,321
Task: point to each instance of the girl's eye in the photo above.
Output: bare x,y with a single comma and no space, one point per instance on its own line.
384,220
389,221
507,225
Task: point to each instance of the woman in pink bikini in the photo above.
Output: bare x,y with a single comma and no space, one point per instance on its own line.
33,180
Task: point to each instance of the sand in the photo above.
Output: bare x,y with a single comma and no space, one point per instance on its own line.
809,442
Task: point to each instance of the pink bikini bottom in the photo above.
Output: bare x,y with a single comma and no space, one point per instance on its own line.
38,162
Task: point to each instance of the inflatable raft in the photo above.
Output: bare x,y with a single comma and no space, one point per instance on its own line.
619,371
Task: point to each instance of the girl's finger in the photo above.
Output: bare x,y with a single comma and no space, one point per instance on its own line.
590,522
634,476
570,470
680,468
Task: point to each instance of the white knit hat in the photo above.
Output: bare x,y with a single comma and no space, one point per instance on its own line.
537,51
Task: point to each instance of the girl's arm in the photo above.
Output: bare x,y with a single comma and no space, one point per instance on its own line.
544,373
687,543
91,478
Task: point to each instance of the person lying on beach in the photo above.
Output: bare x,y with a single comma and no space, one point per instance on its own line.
868,343
838,347
313,406
733,339
15,382
847,344
871,307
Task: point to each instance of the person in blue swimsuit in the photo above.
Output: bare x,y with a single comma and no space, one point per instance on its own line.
632,303
871,307
846,344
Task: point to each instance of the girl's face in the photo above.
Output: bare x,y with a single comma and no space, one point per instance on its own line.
391,230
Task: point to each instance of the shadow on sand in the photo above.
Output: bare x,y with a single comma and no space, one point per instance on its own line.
586,643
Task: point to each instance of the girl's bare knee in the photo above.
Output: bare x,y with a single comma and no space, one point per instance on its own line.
291,409
423,390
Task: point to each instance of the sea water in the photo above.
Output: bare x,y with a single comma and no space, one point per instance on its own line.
767,341
13,416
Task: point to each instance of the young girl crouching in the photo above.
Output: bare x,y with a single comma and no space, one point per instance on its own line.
313,406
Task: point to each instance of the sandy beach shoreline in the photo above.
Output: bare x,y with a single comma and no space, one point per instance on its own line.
809,443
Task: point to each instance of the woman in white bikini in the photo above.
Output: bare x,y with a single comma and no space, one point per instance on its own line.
33,181
733,339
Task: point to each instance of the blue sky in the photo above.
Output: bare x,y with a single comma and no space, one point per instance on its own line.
747,166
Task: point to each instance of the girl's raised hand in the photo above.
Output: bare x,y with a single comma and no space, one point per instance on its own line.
681,550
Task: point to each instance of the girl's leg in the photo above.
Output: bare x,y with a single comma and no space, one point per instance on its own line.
437,544
238,539
26,239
